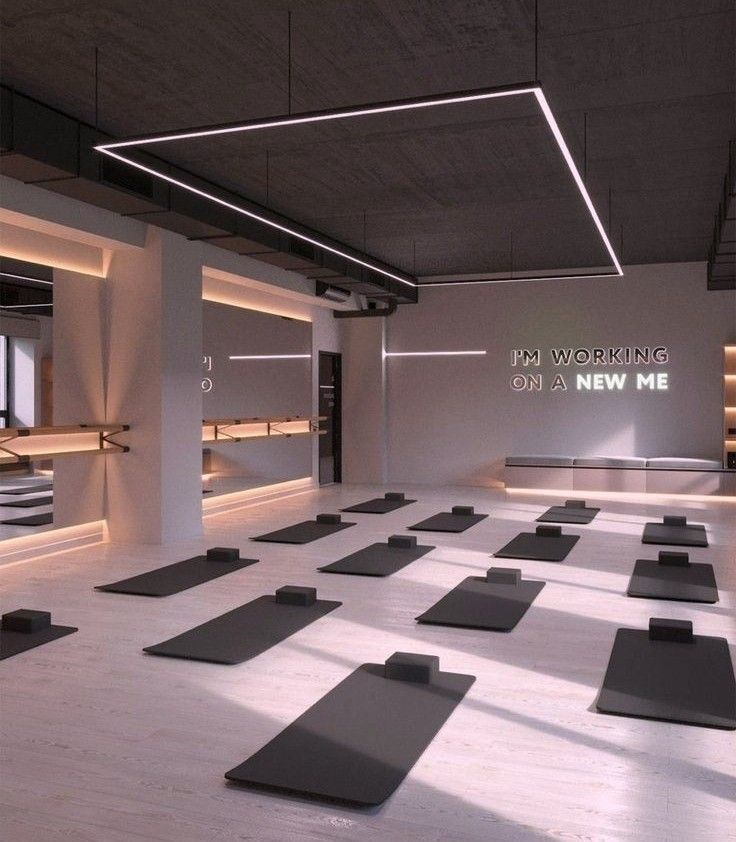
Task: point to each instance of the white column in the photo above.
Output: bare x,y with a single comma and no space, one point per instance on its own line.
154,492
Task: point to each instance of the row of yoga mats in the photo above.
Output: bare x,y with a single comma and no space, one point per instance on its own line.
381,718
24,502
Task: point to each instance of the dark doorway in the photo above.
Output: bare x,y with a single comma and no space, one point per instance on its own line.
330,406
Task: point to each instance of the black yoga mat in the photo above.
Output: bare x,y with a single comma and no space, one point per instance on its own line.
538,547
173,578
13,642
687,682
683,581
477,603
243,633
28,489
28,504
377,560
448,522
30,520
357,743
574,511
303,533
380,505
683,535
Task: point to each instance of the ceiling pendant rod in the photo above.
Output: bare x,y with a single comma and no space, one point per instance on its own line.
268,172
511,252
97,88
610,217
536,40
585,148
288,62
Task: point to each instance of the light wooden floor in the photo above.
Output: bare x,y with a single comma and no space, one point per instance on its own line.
104,743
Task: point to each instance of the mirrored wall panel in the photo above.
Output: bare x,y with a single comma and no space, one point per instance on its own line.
256,384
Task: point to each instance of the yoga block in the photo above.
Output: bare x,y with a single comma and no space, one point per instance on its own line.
504,576
403,542
394,495
676,631
549,531
574,504
328,518
674,520
408,666
26,621
674,559
463,510
296,595
223,554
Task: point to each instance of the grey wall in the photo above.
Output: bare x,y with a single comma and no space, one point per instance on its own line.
454,419
257,388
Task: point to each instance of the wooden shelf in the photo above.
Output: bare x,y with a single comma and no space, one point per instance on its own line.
20,445
220,430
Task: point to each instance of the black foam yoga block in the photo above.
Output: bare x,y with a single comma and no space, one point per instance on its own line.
177,577
378,559
223,554
678,631
405,542
381,505
356,744
549,531
296,595
538,546
26,629
679,533
686,682
26,621
673,578
575,504
245,632
449,521
305,532
674,520
494,603
410,666
328,518
463,510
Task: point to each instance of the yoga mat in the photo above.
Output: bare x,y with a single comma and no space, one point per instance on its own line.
477,603
448,522
686,682
177,577
357,743
13,642
538,547
303,533
243,633
377,560
569,513
28,504
688,535
31,520
29,489
685,582
379,505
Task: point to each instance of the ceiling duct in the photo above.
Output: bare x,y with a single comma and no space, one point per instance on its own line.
331,293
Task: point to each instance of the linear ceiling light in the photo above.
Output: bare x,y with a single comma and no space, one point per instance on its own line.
271,357
435,353
457,98
22,306
25,278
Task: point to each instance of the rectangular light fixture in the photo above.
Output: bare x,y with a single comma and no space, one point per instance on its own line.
434,353
25,278
22,306
462,97
271,357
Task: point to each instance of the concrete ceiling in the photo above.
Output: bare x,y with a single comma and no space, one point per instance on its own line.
442,193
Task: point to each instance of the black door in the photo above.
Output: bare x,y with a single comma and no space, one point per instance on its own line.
330,405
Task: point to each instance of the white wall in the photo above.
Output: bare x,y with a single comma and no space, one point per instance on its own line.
454,419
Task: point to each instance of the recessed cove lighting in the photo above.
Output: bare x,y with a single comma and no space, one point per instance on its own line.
456,98
271,357
435,353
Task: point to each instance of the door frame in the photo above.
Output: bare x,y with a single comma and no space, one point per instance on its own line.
337,413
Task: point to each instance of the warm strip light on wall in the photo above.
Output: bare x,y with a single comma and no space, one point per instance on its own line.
271,357
22,306
456,98
434,353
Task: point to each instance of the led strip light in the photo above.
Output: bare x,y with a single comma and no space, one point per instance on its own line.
109,149
434,353
271,357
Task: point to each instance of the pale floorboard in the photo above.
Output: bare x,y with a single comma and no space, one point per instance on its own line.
104,743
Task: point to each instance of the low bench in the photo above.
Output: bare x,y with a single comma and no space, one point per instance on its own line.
632,474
